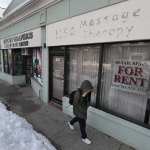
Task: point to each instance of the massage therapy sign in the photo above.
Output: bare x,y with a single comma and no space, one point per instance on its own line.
131,76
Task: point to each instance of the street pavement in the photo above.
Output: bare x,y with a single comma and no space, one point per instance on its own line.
49,120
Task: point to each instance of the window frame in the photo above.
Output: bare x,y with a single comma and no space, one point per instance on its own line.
5,61
144,124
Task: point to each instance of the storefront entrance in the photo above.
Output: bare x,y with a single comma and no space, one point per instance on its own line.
69,66
58,77
27,63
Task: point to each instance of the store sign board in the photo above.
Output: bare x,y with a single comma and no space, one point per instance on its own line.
131,76
26,39
124,21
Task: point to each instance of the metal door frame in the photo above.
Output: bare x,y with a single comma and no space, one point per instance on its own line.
55,51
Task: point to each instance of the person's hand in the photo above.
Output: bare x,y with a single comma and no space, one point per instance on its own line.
85,93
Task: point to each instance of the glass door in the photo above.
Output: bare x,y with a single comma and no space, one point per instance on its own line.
58,77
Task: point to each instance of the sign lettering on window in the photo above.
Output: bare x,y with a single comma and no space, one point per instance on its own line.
131,76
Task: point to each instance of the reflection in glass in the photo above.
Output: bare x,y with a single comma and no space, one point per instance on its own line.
127,102
84,64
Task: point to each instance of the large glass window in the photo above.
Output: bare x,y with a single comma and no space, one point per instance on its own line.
124,74
0,60
84,65
7,61
37,64
12,60
17,62
125,79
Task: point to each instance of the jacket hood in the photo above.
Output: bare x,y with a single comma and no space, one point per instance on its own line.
86,86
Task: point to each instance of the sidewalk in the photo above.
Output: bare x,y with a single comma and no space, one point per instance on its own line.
51,121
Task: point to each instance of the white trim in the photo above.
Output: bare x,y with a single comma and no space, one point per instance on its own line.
15,9
21,15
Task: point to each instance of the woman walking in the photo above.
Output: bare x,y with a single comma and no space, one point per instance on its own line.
81,103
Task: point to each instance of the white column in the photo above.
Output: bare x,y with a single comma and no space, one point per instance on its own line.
45,75
2,60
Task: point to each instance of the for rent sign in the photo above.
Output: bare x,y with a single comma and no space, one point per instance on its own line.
131,76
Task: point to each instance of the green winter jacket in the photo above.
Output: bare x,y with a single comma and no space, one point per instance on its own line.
80,103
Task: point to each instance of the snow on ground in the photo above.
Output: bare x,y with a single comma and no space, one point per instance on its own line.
17,134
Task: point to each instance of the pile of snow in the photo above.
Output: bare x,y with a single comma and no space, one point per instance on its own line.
17,134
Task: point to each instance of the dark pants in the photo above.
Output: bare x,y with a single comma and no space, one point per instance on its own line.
82,123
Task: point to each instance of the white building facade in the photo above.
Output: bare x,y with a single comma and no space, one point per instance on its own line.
55,45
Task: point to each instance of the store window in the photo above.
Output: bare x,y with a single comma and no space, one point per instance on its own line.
12,60
7,61
125,80
0,60
84,65
17,61
37,65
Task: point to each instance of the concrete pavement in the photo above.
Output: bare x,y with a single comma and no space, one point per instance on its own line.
52,122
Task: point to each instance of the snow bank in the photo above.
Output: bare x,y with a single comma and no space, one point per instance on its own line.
17,134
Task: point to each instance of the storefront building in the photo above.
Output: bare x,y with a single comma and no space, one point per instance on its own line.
22,38
110,48
105,42
22,57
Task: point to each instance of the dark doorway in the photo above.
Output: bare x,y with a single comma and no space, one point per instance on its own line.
56,70
27,63
58,77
